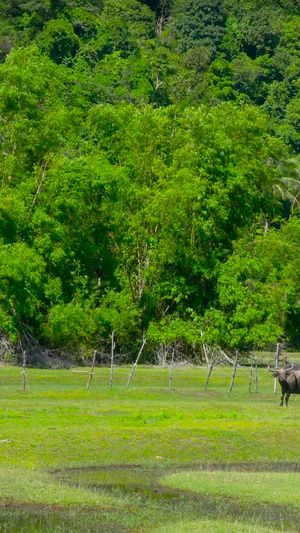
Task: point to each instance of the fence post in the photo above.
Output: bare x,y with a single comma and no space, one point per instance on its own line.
251,375
92,370
171,369
136,362
210,369
205,351
234,370
256,375
111,377
24,372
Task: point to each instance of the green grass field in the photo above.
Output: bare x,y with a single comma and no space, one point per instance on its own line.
147,459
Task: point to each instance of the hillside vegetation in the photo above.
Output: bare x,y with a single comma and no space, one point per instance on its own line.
150,173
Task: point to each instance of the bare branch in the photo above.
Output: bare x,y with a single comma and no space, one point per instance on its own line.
39,187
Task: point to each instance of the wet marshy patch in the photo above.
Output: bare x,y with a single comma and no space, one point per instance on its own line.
31,519
145,488
147,501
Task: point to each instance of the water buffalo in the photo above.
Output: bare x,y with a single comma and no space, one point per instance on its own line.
289,380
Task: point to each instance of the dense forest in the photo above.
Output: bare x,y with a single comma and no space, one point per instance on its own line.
150,172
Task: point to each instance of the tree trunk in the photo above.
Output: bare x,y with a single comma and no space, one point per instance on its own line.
39,187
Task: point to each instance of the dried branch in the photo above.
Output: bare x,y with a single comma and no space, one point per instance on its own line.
39,186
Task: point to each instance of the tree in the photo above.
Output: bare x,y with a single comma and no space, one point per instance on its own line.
199,23
258,291
59,40
133,164
23,280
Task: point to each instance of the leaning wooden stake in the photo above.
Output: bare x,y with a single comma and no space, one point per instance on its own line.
276,364
112,359
24,372
256,375
234,370
92,370
251,375
204,347
171,370
136,362
210,369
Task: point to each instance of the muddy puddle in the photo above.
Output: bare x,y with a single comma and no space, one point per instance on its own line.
129,480
145,497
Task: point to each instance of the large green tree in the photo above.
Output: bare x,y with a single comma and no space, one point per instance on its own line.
136,167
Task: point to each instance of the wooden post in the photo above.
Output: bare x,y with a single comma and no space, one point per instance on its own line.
251,375
171,370
256,375
112,360
210,369
92,370
136,362
234,370
276,364
205,351
24,372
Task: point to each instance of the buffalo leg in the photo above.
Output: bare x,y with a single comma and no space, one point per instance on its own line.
287,397
281,399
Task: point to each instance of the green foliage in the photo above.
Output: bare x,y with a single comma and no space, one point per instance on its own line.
170,331
258,33
160,7
117,313
68,325
59,40
258,290
22,278
199,22
291,125
135,163
126,24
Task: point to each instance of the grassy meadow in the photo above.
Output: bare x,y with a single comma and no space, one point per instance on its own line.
147,458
